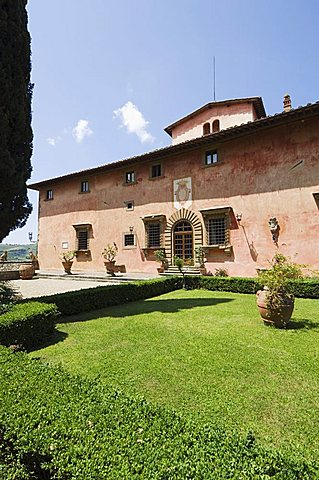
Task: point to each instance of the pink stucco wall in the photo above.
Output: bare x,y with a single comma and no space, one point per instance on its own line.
228,116
265,174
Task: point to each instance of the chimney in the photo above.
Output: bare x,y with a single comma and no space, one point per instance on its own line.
287,103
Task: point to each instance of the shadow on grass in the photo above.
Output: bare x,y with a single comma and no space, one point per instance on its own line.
147,306
55,337
303,324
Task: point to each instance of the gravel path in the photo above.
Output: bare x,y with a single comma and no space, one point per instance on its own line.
38,287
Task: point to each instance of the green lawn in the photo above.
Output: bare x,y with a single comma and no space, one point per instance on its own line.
206,354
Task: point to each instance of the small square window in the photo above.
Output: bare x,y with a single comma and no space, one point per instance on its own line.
130,177
129,239
129,205
49,195
156,171
85,187
211,157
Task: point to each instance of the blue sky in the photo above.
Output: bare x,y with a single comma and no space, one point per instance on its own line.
110,75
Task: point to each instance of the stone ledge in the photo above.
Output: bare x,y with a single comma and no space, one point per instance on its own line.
10,270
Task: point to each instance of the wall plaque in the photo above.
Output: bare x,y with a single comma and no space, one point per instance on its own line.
183,193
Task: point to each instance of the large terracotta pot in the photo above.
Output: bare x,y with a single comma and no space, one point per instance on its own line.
278,317
67,266
26,271
110,267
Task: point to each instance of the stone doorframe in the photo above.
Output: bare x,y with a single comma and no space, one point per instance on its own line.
192,218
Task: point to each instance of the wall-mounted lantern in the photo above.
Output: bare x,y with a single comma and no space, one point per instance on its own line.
131,229
239,217
274,229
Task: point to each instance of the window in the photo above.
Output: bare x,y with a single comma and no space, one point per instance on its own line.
206,128
156,171
154,230
83,239
129,205
85,187
83,234
211,157
129,240
49,195
216,230
153,234
216,126
129,177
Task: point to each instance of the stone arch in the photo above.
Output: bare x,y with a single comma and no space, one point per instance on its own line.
192,218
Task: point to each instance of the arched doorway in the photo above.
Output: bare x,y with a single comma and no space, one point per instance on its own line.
183,240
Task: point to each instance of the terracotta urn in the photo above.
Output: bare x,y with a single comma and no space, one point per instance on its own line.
110,267
279,316
67,265
26,271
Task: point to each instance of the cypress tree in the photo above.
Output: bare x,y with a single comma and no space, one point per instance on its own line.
15,115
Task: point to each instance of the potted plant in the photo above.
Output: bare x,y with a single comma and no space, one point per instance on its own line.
161,258
109,253
67,262
275,302
200,258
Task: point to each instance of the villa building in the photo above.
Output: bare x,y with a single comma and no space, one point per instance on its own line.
235,181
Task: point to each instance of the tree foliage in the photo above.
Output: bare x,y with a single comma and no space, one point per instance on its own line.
15,115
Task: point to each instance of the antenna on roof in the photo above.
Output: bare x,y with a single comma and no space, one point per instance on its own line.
214,78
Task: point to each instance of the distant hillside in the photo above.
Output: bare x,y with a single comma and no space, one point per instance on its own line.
18,252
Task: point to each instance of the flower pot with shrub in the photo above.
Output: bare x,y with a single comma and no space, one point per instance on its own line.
161,258
67,260
109,253
275,302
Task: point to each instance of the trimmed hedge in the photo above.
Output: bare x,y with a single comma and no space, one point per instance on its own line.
306,288
71,303
67,427
27,324
224,284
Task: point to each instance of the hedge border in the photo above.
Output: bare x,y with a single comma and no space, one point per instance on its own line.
99,432
306,288
27,324
85,300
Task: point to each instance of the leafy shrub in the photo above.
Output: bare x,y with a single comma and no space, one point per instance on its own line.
71,303
78,429
221,272
8,295
26,324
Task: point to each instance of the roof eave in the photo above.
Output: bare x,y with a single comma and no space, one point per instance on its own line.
232,132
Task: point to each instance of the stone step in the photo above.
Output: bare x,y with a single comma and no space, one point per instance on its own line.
175,271
84,277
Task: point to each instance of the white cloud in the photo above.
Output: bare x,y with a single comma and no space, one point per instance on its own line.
53,141
134,122
81,130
